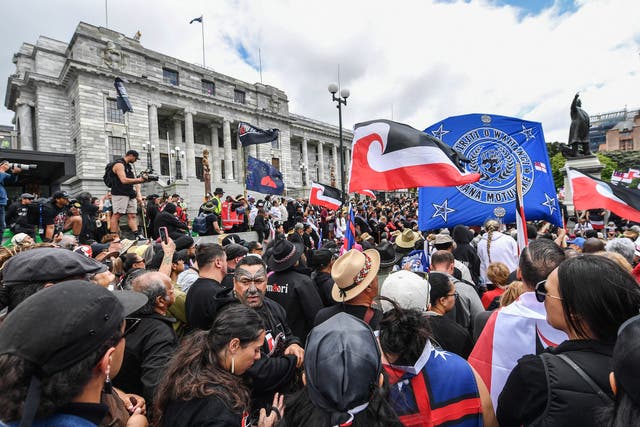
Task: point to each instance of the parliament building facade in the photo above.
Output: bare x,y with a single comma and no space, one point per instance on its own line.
68,122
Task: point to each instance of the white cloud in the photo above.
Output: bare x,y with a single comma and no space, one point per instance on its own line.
427,60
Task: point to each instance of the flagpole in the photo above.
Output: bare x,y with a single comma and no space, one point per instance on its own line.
204,65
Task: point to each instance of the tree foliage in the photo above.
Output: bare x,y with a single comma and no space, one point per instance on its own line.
557,163
625,159
609,166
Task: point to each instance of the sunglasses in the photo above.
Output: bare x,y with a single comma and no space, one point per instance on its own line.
541,291
131,323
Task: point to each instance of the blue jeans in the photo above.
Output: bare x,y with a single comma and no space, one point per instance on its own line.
2,223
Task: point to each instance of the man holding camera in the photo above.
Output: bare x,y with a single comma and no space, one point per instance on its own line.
124,195
7,176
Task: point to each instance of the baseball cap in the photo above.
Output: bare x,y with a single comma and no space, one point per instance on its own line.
44,265
406,288
27,196
578,241
342,365
60,195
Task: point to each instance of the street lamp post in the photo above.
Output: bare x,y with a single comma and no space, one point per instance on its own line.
341,100
149,148
178,164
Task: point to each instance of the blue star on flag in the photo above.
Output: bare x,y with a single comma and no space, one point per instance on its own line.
527,132
550,203
440,132
442,210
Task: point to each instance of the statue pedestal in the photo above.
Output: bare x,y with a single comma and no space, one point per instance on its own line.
589,165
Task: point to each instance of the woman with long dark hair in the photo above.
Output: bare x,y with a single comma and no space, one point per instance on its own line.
202,385
588,297
429,386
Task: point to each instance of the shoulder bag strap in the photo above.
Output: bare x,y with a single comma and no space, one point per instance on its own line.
601,394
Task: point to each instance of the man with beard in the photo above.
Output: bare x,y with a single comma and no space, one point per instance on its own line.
281,353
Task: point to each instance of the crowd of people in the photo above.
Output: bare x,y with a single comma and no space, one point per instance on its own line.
289,327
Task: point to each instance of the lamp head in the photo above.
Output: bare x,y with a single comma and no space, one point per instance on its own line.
345,93
333,88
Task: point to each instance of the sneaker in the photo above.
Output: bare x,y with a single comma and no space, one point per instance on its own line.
140,237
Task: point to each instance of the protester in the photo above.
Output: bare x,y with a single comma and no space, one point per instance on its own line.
322,261
520,328
8,175
22,216
343,379
124,195
58,375
498,275
356,286
495,246
588,298
465,252
203,384
429,386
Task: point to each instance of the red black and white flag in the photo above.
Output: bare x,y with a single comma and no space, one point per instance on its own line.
387,155
592,193
324,195
367,193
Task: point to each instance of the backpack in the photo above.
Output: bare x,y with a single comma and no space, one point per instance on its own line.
109,177
199,224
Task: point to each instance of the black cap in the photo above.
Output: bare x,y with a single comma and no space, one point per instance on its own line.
133,153
232,238
342,364
235,250
60,195
42,265
61,325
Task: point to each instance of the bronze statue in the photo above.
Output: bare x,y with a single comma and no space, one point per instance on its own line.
579,131
206,171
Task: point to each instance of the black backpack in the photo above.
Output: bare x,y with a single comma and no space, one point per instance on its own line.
109,177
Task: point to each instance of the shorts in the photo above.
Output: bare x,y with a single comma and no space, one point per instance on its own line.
123,204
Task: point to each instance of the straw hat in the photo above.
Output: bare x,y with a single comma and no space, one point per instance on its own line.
407,239
353,272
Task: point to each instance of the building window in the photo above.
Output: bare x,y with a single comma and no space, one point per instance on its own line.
73,111
117,148
170,76
208,88
164,164
114,114
199,169
275,144
626,144
222,169
238,96
275,162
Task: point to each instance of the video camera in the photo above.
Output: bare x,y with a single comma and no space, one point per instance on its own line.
148,175
21,166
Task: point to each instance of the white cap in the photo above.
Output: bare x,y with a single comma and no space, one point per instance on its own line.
406,288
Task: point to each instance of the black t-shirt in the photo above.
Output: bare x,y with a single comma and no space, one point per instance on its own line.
54,215
210,411
202,303
359,311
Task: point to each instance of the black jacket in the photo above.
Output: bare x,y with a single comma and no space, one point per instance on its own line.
276,372
261,224
324,283
175,227
209,411
298,295
149,347
466,253
524,397
202,303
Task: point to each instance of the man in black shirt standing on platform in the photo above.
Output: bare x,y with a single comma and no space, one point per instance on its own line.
356,285
124,195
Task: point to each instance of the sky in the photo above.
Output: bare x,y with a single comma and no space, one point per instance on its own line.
416,62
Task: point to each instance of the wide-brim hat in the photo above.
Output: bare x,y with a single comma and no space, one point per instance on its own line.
387,254
365,236
125,245
353,272
407,239
442,239
218,190
284,255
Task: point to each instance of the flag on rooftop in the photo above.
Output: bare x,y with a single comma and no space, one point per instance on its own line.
250,135
198,19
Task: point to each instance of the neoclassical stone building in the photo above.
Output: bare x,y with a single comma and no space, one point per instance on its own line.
68,122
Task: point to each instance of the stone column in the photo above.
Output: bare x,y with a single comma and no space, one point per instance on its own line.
253,150
305,161
239,164
25,121
228,154
216,172
190,149
177,142
154,139
320,162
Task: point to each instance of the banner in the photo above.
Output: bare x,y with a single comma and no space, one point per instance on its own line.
122,98
495,145
391,156
263,177
250,135
324,195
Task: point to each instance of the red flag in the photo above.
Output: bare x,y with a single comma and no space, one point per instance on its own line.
367,193
324,195
391,156
592,193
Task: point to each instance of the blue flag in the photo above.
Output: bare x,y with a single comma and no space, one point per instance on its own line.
198,19
350,235
495,145
263,178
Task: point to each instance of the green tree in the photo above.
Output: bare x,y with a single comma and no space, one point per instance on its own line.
557,163
609,166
